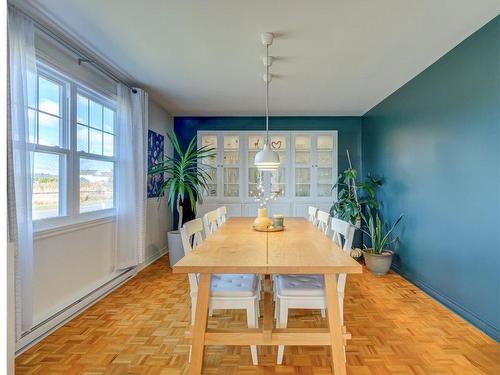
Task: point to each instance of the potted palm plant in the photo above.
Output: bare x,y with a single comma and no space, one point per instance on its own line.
184,180
377,258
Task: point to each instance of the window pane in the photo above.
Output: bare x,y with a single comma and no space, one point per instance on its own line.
48,130
325,142
82,112
32,80
108,144
48,96
95,115
302,182
95,146
325,158
231,182
32,125
96,185
82,138
302,149
45,202
109,119
231,149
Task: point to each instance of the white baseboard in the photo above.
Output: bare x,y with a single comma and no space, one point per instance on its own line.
152,258
49,325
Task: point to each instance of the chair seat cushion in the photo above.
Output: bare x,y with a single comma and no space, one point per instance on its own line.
233,285
300,285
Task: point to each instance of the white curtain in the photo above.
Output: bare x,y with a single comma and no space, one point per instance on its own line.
131,174
22,89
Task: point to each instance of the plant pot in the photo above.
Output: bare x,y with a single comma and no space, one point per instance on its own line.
379,264
175,249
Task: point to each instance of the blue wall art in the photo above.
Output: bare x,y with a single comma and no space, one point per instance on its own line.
156,144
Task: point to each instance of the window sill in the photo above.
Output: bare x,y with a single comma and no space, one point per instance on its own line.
51,231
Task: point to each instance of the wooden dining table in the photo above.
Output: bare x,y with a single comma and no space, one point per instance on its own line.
299,249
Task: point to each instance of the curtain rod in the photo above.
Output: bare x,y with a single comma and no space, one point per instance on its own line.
82,57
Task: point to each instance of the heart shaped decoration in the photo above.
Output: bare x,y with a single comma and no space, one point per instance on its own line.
276,144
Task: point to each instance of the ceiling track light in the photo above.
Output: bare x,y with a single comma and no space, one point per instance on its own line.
267,159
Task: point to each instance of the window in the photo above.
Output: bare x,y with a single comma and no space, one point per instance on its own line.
96,185
46,115
95,127
72,138
95,140
46,185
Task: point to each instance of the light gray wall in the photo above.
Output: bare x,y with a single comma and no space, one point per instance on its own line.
159,215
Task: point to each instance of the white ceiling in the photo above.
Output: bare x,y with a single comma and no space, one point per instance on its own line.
337,57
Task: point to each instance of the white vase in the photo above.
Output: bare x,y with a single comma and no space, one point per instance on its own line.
262,222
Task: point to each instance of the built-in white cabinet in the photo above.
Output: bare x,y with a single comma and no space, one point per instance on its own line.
306,175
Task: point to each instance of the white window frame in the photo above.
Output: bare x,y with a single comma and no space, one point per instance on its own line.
69,175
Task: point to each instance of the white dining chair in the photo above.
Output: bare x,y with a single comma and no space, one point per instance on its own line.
323,221
221,215
307,291
313,218
235,291
312,212
210,222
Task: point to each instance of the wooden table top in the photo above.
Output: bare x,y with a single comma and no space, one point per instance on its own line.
237,248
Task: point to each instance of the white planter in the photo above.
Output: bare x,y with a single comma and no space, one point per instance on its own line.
175,249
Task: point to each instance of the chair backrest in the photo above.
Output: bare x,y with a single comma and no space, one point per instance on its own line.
210,222
312,212
343,235
323,221
221,215
191,236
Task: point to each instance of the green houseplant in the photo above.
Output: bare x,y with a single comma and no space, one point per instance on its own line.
377,258
354,195
184,180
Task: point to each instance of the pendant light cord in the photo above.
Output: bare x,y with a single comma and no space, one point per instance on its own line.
267,93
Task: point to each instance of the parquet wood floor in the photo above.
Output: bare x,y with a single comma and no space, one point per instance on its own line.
139,329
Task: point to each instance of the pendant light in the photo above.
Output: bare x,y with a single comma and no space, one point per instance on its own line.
267,159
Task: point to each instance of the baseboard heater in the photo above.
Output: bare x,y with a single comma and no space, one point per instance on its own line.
49,325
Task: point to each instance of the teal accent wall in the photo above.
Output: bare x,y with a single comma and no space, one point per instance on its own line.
436,141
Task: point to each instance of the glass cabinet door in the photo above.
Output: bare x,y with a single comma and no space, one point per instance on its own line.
278,178
210,165
324,165
231,166
302,165
255,144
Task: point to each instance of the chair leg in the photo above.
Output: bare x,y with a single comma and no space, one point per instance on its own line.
252,323
275,295
193,309
193,313
341,308
282,323
276,308
323,313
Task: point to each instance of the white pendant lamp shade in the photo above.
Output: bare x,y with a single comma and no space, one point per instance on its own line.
267,159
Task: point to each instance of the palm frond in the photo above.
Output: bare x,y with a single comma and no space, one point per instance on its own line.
185,174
